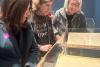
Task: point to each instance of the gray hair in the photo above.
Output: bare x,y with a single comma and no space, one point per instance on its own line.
67,1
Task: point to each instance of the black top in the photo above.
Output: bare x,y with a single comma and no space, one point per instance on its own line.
69,17
42,26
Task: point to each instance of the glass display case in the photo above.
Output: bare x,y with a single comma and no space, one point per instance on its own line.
82,49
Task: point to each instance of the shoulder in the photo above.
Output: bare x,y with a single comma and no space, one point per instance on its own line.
59,11
60,14
81,14
1,24
2,29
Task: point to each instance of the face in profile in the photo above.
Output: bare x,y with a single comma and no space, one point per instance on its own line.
44,8
73,6
26,14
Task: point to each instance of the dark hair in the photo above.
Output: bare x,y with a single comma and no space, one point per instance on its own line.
14,10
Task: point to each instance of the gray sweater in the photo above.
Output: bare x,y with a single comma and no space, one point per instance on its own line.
60,22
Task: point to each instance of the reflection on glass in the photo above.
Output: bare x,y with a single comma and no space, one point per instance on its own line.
97,30
83,47
90,24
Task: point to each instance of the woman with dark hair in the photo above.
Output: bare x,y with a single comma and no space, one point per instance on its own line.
18,47
42,25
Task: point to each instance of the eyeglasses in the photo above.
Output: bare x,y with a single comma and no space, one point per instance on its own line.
75,4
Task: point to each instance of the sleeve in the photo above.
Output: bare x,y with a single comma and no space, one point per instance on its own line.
34,51
55,24
59,24
83,23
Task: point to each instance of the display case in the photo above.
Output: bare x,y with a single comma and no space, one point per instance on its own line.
80,50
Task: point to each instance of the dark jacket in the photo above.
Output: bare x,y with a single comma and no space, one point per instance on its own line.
60,22
17,50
